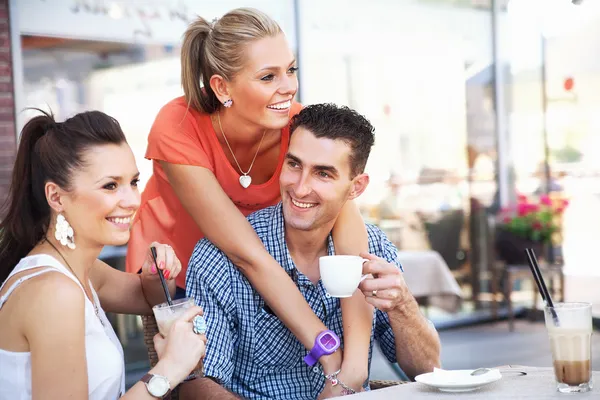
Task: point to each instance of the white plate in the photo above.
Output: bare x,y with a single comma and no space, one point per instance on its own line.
458,380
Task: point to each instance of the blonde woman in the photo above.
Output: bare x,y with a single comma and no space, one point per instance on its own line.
217,155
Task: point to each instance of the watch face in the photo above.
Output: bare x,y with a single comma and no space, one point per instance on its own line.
328,341
158,386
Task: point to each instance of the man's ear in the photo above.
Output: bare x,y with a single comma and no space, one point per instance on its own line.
219,85
359,184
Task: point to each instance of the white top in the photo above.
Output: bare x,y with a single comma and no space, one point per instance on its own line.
104,354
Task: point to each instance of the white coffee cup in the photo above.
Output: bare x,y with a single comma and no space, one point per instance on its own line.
341,274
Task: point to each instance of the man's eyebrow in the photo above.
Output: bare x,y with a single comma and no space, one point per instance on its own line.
329,168
319,167
293,158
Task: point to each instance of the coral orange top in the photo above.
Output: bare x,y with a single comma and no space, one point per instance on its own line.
182,135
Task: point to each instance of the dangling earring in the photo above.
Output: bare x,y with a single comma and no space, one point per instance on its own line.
227,103
63,232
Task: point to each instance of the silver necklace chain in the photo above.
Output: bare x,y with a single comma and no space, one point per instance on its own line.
93,300
232,154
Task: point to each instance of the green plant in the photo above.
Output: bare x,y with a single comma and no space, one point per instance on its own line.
537,220
567,154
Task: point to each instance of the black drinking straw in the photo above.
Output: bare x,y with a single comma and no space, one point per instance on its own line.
163,281
539,280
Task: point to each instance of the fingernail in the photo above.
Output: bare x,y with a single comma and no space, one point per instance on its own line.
153,269
167,273
161,265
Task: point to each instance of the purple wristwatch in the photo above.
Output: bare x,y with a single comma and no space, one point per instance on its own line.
326,343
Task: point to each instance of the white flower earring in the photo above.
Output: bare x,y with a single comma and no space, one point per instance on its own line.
227,103
63,232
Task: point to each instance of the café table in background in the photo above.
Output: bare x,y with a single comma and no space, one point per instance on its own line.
539,383
430,280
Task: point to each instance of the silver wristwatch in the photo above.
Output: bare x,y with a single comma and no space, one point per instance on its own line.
158,386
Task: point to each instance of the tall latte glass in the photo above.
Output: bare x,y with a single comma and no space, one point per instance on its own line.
571,345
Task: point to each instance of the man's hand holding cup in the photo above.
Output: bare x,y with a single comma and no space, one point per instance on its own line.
387,289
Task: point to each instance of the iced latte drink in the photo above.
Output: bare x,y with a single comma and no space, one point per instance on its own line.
571,345
166,314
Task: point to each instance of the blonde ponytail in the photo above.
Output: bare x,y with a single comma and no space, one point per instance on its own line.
218,49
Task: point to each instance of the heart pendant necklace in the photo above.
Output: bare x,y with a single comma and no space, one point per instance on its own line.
245,179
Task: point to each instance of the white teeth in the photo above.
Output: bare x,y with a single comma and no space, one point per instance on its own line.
120,220
303,205
281,106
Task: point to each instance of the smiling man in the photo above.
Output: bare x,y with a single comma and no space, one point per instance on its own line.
249,351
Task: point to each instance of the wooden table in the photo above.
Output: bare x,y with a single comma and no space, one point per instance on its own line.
539,383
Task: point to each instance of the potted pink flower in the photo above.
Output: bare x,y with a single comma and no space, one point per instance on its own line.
530,223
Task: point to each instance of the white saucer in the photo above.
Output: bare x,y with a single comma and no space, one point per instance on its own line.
457,380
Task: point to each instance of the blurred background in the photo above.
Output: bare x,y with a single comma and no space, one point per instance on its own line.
475,103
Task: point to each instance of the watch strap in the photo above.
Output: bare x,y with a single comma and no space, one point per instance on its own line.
310,359
147,378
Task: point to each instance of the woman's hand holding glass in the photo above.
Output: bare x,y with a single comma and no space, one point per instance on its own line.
182,349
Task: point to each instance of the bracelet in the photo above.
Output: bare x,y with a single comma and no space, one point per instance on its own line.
346,389
333,378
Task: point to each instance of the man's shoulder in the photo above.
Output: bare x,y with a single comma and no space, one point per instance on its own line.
376,235
381,246
262,220
373,229
205,247
207,260
264,215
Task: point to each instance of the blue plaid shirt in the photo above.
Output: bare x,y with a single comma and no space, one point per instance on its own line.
250,351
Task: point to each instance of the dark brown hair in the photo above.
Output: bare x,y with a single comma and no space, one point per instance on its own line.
339,123
48,151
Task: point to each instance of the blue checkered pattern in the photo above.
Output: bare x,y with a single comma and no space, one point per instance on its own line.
251,352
